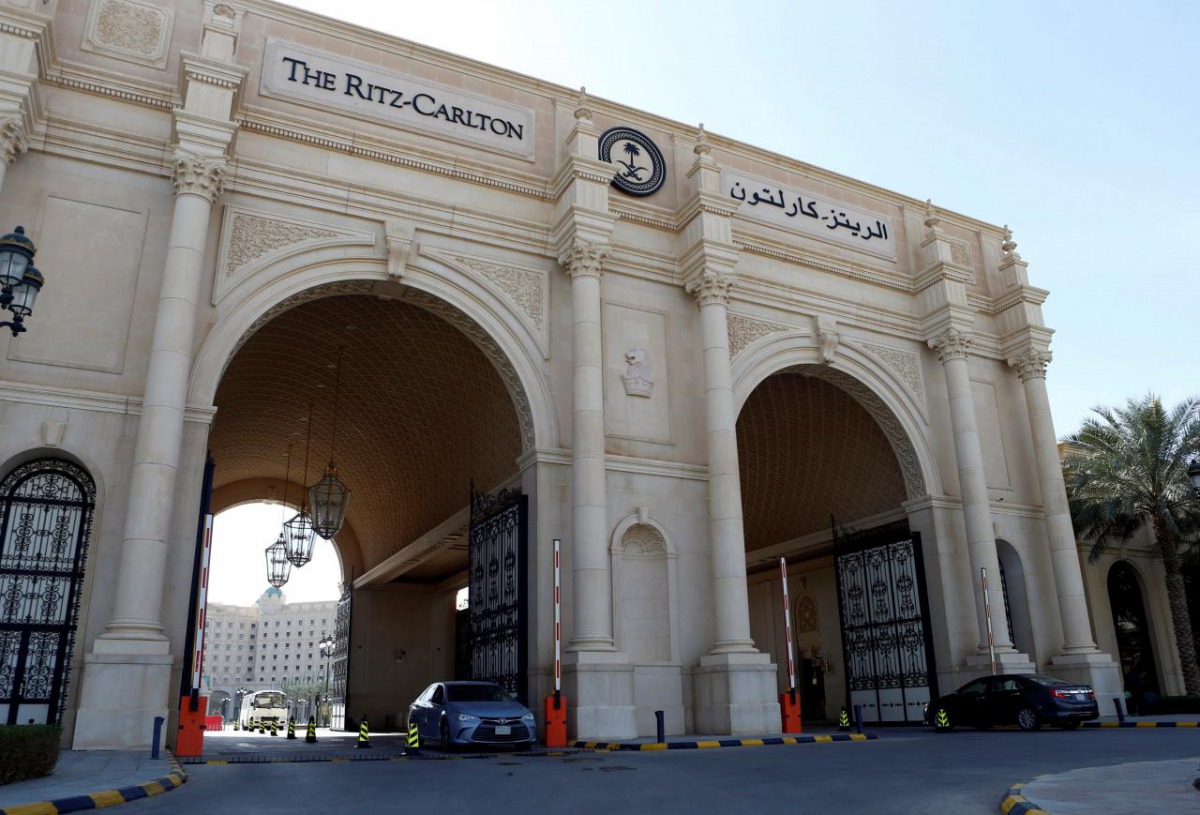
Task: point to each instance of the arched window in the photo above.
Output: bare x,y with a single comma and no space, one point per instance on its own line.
46,510
1134,642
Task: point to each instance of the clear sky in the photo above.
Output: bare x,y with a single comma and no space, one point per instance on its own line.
238,565
1074,122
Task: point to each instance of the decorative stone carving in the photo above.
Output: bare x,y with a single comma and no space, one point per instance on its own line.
582,112
1009,246
13,139
252,237
130,30
702,148
745,330
1031,364
952,344
639,373
907,365
931,217
643,539
584,258
710,287
53,432
827,342
525,289
399,236
960,253
204,177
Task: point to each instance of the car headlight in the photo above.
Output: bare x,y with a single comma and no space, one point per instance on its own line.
467,717
528,717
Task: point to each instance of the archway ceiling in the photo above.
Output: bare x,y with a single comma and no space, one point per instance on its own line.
806,450
421,413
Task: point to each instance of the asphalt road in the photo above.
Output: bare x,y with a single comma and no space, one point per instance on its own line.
904,771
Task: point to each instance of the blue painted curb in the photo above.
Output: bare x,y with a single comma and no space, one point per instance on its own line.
76,803
706,744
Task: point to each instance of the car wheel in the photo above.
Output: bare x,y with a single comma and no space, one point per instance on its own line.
1070,724
447,745
1027,719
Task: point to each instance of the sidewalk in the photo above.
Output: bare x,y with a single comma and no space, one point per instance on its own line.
85,779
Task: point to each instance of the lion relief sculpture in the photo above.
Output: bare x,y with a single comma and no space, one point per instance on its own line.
639,373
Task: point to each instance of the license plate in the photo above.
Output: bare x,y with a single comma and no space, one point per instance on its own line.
503,730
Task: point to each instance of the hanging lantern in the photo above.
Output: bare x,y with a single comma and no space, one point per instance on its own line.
298,532
298,535
278,567
328,497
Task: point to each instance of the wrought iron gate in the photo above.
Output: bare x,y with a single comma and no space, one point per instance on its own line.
497,590
46,510
340,661
885,629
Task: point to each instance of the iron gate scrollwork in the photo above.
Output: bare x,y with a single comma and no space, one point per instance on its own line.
497,589
339,661
885,629
46,510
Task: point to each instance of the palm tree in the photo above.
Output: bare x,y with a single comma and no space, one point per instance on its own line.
1125,470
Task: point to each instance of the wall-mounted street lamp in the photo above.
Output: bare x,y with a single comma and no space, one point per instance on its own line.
20,282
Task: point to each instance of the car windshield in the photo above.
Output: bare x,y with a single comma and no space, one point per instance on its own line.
1042,679
476,693
268,700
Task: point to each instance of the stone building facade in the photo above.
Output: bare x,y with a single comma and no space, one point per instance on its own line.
685,352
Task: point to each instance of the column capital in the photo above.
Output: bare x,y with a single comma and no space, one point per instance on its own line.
584,259
1031,364
711,287
13,139
204,177
952,344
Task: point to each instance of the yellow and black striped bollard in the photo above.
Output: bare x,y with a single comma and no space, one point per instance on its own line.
310,737
843,720
414,740
291,728
235,724
364,737
941,721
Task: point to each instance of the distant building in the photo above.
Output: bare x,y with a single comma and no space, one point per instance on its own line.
271,644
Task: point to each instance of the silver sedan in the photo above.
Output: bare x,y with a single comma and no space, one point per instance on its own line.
452,714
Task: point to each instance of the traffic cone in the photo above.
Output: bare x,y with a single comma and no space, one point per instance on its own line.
235,724
364,738
291,728
843,720
941,721
311,736
413,747
274,729
250,726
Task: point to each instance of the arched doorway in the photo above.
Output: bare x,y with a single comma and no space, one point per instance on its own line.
425,412
46,509
1135,641
823,484
1016,598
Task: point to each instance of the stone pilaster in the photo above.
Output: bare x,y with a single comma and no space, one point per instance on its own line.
953,348
584,262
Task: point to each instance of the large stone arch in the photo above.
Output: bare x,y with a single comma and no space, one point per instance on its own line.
439,288
876,387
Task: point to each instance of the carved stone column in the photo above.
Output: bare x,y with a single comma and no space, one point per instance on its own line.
592,630
1064,555
953,347
137,615
726,535
13,142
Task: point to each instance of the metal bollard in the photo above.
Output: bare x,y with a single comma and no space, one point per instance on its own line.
1120,709
858,718
157,738
659,717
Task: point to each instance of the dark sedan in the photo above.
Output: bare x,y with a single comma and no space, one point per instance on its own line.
451,714
1026,700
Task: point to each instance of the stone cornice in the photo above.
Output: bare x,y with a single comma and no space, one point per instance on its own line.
217,73
90,401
